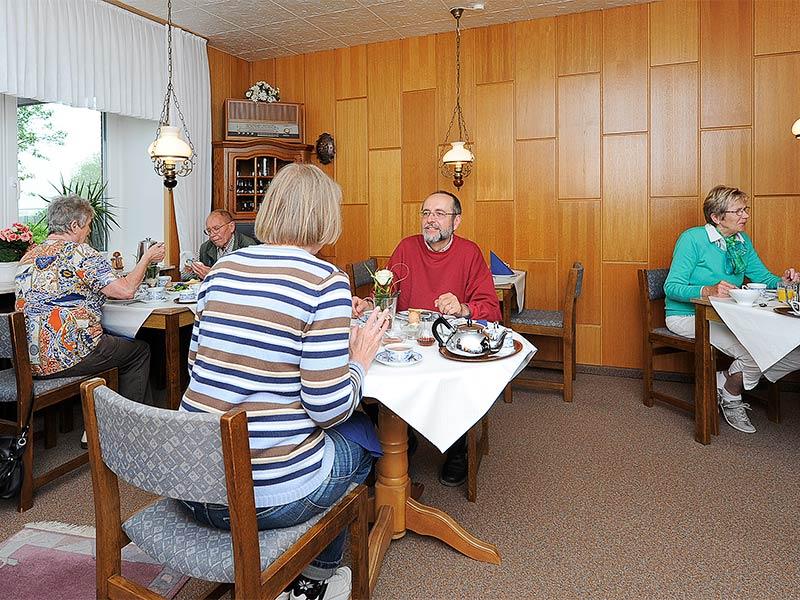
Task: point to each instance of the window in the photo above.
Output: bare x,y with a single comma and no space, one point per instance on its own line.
58,146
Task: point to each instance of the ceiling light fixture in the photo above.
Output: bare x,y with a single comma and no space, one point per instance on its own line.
457,160
172,157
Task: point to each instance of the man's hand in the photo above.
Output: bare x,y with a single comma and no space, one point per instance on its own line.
359,306
720,290
200,269
791,276
448,304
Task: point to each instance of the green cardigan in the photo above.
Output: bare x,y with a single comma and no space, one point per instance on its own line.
209,252
698,262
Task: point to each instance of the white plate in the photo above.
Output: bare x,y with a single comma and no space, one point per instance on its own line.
383,358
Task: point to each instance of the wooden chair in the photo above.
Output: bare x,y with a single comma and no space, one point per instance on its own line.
558,324
18,386
658,341
360,274
157,450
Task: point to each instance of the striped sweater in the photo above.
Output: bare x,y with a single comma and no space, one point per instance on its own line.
272,335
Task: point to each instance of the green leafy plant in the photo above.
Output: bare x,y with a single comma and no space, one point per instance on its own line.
95,193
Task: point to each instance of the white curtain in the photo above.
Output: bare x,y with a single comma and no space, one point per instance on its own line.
90,54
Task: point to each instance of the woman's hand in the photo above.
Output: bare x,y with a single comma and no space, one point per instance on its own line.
360,305
366,339
791,276
155,253
721,290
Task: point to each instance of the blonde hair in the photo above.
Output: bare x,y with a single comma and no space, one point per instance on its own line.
719,199
301,208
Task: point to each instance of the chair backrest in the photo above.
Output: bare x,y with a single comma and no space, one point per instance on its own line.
571,293
651,290
165,452
14,347
360,273
654,280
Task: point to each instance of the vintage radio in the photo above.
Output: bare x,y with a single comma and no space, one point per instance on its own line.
245,119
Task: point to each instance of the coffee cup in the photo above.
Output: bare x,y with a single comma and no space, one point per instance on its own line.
399,352
157,293
755,286
164,280
187,295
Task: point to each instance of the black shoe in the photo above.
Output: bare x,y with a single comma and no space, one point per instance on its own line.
454,469
413,443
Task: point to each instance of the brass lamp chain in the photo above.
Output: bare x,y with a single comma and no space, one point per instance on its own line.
186,165
458,116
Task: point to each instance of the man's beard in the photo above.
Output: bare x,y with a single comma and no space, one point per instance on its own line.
440,235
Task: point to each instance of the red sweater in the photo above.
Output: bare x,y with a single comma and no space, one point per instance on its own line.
460,270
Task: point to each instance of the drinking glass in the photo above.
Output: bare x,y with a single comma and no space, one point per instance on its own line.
425,337
786,291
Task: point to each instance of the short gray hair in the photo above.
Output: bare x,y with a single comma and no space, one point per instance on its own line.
64,210
719,199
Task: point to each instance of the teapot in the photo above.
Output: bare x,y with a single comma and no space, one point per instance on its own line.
143,247
467,340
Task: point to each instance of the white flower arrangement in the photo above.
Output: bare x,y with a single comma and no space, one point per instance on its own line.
261,91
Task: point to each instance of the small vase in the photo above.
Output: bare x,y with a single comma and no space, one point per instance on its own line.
388,302
8,271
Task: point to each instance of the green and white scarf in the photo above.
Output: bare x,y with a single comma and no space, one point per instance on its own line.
734,248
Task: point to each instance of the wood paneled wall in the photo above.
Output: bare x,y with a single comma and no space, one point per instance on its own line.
596,134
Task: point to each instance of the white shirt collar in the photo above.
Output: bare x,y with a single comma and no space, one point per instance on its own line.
715,237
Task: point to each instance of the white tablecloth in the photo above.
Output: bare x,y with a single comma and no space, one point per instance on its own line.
125,317
767,335
442,398
518,281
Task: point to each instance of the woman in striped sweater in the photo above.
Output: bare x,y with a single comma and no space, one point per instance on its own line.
273,335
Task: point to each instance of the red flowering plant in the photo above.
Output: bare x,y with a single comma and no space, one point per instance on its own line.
14,242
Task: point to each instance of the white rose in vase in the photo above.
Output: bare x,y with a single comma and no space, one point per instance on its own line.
383,277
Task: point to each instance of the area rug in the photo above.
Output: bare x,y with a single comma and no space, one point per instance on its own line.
56,561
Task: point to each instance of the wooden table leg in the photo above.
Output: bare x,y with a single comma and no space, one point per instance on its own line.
396,511
704,385
172,349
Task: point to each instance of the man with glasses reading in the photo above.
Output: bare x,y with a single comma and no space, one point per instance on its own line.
438,270
222,239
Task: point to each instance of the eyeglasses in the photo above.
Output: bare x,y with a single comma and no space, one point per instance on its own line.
739,211
439,214
216,229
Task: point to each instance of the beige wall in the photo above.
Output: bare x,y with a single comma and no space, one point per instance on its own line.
596,137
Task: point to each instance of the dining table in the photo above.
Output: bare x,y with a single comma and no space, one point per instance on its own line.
127,317
766,333
441,399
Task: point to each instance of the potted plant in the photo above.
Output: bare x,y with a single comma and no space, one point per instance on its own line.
94,192
14,243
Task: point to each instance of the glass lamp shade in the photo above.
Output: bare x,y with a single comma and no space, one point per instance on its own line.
796,129
169,147
458,154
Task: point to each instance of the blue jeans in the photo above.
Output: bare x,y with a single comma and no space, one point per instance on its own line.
351,464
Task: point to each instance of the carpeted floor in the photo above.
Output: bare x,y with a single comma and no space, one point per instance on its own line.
601,498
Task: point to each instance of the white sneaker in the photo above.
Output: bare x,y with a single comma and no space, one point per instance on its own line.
721,379
336,587
736,416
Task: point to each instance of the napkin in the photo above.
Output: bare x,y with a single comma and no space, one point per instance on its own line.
498,266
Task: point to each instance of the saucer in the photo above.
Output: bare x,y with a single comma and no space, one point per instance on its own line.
383,358
179,301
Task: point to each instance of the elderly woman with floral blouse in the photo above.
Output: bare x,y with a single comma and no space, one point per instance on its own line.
62,284
711,260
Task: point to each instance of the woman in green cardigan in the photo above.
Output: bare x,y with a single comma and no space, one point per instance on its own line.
710,261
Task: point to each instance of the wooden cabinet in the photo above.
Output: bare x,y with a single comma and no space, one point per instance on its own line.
243,171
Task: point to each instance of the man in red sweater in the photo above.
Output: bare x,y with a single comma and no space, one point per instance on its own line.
438,270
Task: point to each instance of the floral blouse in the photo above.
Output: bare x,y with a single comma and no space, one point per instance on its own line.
58,289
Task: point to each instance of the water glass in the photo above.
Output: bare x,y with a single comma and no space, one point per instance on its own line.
786,292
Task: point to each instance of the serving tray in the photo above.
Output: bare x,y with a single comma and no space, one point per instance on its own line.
483,358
